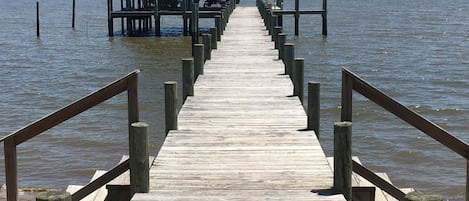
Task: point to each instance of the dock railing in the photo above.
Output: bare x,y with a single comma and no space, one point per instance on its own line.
127,83
351,82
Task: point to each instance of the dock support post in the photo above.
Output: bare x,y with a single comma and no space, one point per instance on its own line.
273,25
171,109
288,57
73,14
277,31
184,17
198,60
218,26
110,21
207,40
187,78
324,18
297,17
313,107
214,33
139,158
37,19
282,38
157,20
343,159
298,77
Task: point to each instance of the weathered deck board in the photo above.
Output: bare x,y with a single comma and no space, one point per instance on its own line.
241,136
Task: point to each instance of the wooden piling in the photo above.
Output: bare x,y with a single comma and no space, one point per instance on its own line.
207,40
272,26
288,57
73,14
213,31
324,18
54,195
139,158
187,78
282,37
298,77
277,30
11,169
218,26
343,159
171,109
37,19
110,21
297,17
313,109
198,60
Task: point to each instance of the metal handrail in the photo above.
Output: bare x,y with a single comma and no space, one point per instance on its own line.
351,81
127,83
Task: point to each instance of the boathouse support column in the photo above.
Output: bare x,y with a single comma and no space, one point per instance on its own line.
343,159
139,158
313,107
171,109
324,21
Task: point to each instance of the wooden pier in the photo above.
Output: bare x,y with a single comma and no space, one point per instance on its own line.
242,136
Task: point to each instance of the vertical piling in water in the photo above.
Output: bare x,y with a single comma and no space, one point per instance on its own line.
297,17
187,78
73,14
273,25
282,37
298,77
313,107
288,57
110,22
343,159
198,60
139,158
37,19
324,18
214,33
171,109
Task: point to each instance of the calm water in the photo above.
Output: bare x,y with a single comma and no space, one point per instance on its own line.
417,51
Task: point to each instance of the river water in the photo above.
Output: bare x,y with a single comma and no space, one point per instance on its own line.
416,51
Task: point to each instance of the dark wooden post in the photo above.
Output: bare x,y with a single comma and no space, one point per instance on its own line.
347,86
282,38
184,17
314,107
297,17
343,159
110,22
214,33
298,77
288,57
207,40
37,19
218,26
11,171
277,30
139,158
73,14
171,109
157,20
187,78
324,17
198,60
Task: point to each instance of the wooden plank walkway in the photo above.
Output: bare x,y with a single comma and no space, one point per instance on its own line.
240,136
